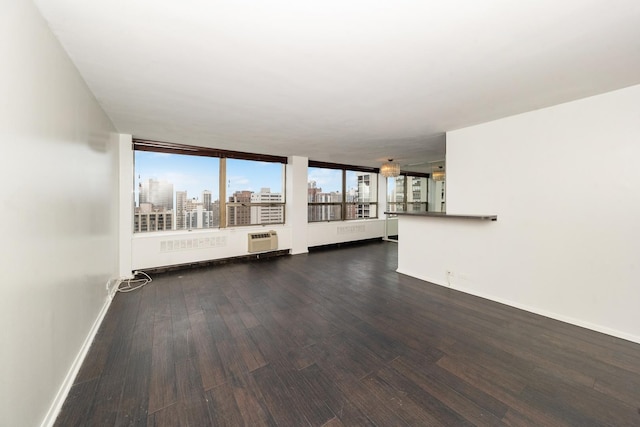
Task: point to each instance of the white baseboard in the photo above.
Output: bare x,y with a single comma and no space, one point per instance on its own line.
534,310
50,418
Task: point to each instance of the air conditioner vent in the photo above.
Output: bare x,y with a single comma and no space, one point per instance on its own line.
263,241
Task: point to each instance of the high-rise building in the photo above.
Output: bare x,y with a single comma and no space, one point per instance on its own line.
267,214
417,190
181,209
362,197
359,200
215,213
413,198
351,208
325,212
364,187
312,190
145,208
313,213
152,221
206,200
198,218
399,190
192,213
158,193
329,212
239,215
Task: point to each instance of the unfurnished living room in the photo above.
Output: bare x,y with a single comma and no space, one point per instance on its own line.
320,213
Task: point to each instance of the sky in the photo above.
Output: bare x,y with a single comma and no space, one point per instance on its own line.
196,173
330,180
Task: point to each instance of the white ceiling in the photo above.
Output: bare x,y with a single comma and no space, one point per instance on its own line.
348,81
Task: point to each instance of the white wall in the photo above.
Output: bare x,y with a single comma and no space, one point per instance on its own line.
391,227
326,233
565,184
161,249
59,216
158,249
127,203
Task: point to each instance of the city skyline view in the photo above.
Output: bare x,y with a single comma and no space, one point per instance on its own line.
330,180
176,191
195,174
179,192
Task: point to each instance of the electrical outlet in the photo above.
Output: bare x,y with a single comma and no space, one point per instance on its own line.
111,284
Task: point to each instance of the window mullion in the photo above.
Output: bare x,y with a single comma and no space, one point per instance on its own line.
405,205
222,189
344,194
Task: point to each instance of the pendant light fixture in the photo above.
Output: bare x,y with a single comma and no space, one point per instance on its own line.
438,174
390,169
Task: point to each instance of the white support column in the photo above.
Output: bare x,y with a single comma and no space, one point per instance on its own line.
382,196
125,154
296,209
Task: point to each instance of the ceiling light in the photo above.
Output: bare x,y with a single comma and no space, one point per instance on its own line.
438,174
390,169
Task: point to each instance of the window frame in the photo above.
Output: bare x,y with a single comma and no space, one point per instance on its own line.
343,203
228,204
405,192
183,149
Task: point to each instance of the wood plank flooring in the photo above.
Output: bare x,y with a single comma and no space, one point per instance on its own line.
338,338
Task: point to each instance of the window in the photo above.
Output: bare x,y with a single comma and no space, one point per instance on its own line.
416,193
175,192
361,194
180,187
407,193
324,194
339,192
395,194
255,192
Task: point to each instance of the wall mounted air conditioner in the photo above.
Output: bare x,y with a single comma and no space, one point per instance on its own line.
264,241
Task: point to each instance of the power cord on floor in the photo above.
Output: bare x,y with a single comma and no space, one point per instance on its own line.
132,284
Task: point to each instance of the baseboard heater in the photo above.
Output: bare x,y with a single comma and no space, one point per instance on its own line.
262,242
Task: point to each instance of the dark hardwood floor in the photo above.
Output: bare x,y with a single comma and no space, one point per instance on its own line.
338,338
